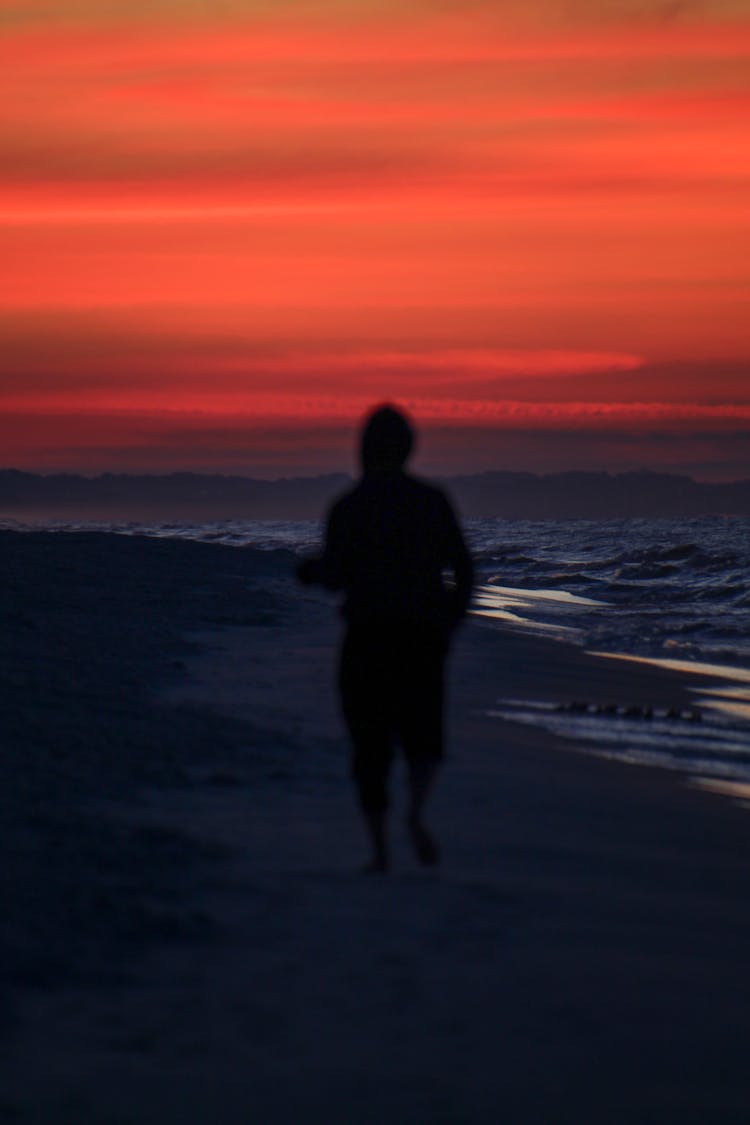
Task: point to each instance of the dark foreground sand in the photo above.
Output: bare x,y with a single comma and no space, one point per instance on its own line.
183,935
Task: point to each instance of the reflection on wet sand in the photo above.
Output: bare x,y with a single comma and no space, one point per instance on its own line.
710,745
719,671
510,605
727,699
736,710
739,790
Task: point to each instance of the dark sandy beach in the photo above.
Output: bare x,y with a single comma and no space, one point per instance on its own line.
184,937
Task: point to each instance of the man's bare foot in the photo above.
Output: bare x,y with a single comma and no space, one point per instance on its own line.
425,846
378,866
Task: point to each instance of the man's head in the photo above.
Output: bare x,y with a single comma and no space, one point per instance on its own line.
387,439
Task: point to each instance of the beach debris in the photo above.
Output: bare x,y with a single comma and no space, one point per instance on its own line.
638,711
630,711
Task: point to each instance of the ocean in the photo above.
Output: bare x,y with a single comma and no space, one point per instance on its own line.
672,592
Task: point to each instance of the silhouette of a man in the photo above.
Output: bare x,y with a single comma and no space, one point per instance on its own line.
388,543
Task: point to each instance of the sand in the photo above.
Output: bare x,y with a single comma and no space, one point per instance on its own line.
185,936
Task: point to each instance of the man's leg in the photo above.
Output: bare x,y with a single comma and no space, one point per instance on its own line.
422,737
366,705
370,770
421,776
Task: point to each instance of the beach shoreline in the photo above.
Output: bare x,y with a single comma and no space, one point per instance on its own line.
201,948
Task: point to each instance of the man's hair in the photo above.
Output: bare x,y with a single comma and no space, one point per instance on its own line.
387,438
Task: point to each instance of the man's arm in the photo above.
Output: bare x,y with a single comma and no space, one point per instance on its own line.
330,568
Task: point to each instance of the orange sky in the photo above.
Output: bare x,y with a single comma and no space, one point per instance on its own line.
228,226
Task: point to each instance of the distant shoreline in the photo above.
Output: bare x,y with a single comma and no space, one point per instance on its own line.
495,494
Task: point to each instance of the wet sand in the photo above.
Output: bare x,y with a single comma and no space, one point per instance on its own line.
185,937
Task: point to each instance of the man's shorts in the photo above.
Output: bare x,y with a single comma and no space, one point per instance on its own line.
391,684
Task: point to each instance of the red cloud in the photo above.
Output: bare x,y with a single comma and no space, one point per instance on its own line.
267,220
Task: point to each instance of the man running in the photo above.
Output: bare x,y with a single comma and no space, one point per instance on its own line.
388,542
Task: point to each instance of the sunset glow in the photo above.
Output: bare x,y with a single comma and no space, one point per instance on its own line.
226,231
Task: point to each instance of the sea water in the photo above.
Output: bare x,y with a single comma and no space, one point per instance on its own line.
672,591
658,588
